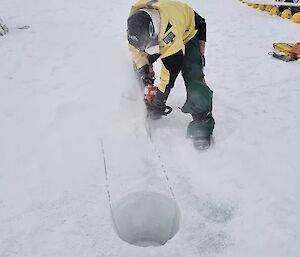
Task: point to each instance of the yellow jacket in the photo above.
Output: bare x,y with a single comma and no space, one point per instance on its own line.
177,27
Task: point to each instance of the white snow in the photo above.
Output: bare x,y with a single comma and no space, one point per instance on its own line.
66,84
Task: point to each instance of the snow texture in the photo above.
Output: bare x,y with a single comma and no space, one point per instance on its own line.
66,85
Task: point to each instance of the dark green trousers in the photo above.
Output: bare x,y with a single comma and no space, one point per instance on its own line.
199,95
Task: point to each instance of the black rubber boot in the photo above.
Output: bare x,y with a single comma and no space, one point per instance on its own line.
200,130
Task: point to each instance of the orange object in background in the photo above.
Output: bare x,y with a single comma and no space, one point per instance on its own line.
295,50
150,92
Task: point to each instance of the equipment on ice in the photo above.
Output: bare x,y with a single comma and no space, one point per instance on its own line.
287,51
292,49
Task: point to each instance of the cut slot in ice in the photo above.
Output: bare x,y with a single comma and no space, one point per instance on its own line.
146,219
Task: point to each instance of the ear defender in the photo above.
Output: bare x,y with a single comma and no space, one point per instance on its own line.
151,29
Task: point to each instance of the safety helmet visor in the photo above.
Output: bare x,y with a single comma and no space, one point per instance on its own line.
140,30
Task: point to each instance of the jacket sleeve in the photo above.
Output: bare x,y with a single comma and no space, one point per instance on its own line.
171,66
200,25
139,58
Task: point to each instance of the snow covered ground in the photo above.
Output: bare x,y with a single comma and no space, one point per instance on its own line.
66,85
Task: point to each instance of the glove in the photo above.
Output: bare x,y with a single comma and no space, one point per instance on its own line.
155,102
147,74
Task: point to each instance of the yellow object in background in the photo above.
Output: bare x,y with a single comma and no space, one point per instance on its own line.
261,7
286,14
269,8
274,11
296,17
